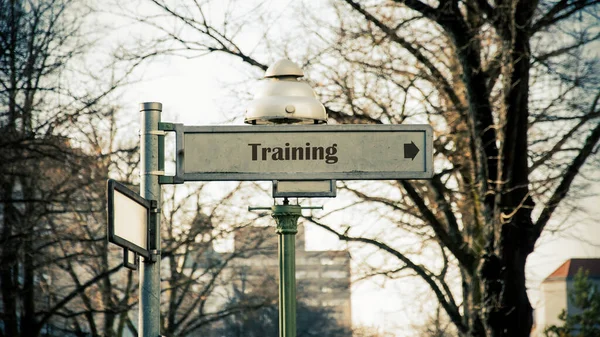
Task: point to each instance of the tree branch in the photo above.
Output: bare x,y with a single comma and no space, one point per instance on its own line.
440,197
435,72
455,244
421,7
75,293
444,299
558,146
560,11
568,177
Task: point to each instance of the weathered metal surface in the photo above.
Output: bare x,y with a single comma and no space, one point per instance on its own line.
344,152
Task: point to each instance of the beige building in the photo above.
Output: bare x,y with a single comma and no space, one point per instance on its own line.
555,289
323,277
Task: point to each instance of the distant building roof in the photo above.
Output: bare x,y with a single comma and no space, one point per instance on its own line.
572,266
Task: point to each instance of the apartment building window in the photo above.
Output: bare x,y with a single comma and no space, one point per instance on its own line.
308,260
337,316
335,274
340,260
326,261
302,274
313,302
333,303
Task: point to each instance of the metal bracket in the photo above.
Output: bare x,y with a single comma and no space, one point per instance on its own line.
178,129
133,265
166,127
154,256
286,216
156,133
155,173
282,208
154,216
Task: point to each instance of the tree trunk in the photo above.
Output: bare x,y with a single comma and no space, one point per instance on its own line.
8,263
513,314
105,286
28,320
516,314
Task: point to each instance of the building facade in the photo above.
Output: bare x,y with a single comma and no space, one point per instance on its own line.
555,291
322,277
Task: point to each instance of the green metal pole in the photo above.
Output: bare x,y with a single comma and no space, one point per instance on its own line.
286,217
149,306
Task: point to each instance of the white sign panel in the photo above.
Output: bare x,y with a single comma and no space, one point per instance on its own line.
285,152
303,188
131,220
128,217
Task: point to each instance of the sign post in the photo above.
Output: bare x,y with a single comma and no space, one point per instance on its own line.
149,293
300,153
302,160
286,216
134,220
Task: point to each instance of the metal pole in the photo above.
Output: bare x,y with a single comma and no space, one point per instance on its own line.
286,217
149,305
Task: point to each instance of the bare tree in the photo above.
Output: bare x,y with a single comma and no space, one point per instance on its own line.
53,168
198,278
511,89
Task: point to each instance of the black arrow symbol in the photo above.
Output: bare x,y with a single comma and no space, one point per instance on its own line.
410,150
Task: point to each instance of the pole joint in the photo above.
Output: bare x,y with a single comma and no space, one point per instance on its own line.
154,256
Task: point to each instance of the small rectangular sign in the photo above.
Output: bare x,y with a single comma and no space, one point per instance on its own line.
128,218
306,152
304,188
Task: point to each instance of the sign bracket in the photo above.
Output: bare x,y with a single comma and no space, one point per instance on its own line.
153,251
133,265
178,129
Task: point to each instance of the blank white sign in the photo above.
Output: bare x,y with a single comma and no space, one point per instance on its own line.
130,220
315,186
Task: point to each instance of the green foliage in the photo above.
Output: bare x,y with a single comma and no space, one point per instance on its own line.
586,322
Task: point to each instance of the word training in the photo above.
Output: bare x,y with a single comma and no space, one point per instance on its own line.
286,152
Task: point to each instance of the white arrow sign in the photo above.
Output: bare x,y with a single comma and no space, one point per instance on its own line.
284,152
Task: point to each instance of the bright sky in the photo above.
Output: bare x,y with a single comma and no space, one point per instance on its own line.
198,92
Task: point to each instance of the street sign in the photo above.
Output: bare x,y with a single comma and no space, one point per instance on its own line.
128,217
307,152
304,189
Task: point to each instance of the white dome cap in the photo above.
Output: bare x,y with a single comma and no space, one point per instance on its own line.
283,99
